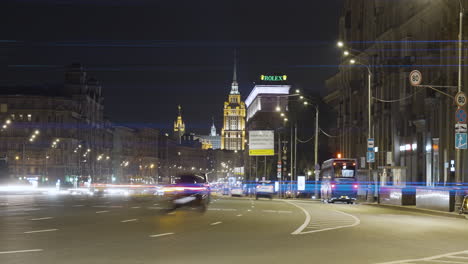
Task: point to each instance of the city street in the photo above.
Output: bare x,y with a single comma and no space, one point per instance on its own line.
74,229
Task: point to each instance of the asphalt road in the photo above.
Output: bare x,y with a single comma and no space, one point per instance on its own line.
65,229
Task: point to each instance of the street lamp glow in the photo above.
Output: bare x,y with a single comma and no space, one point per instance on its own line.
352,61
306,103
282,114
297,91
301,97
346,53
8,121
340,44
285,119
278,109
36,132
4,126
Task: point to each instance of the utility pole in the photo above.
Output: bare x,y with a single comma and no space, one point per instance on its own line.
22,161
291,162
295,155
458,167
316,172
279,167
369,117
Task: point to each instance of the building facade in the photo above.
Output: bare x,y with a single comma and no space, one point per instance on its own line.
412,126
211,141
55,132
266,101
233,131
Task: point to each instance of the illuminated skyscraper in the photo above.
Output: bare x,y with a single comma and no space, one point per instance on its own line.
179,126
233,131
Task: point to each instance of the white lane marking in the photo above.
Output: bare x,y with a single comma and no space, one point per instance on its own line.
154,208
100,206
115,206
32,209
40,231
136,207
285,212
78,205
100,212
155,204
216,223
425,259
222,209
356,222
172,213
21,251
129,220
306,222
239,215
42,218
160,235
446,261
457,257
248,210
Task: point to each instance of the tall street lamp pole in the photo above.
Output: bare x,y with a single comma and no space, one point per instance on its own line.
316,150
340,44
458,174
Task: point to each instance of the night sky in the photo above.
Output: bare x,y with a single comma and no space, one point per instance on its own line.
151,56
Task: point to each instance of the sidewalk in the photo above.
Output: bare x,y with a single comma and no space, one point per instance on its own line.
414,209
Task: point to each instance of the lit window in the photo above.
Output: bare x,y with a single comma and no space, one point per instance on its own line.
29,117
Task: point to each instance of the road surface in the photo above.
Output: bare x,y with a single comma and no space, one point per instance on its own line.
73,229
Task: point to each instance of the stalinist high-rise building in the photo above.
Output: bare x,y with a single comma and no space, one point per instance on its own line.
233,131
179,126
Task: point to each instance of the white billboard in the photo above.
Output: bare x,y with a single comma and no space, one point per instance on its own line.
301,183
261,143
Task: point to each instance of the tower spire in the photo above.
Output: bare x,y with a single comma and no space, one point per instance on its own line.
235,85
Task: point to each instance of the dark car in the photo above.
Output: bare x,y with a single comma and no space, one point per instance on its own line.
190,190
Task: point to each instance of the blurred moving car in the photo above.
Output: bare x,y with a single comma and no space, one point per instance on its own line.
237,191
265,190
189,190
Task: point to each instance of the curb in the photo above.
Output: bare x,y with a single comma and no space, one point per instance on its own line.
418,210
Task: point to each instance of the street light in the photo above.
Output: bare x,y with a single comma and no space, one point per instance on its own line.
340,44
345,53
306,103
369,99
282,114
278,109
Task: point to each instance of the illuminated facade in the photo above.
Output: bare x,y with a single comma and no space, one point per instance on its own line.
233,131
179,126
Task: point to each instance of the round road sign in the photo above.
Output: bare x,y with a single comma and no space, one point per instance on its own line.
460,116
460,99
415,78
